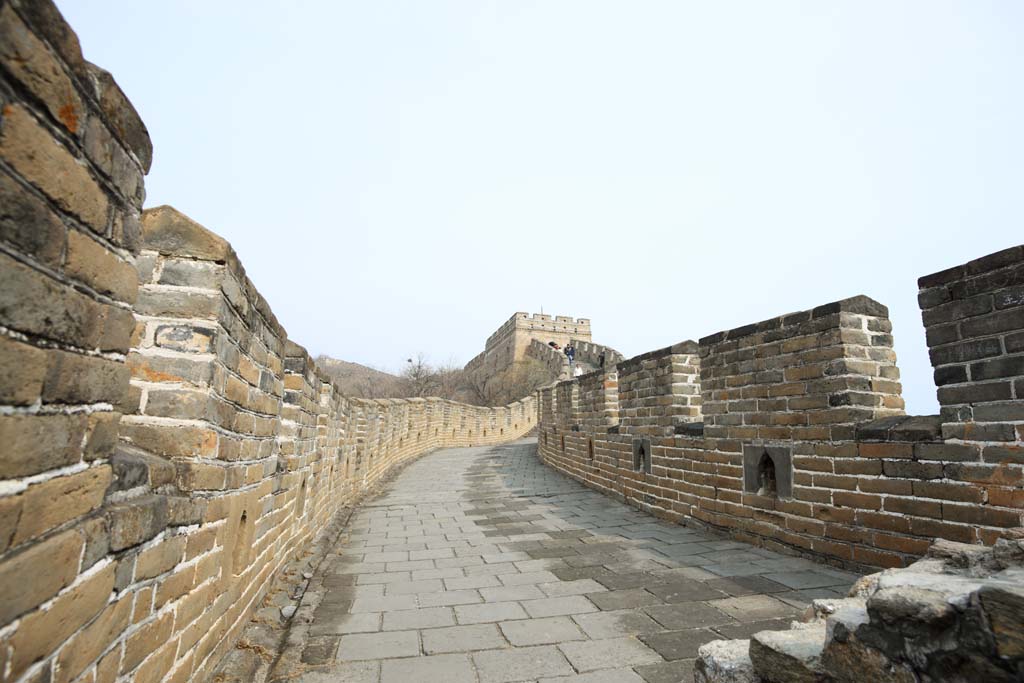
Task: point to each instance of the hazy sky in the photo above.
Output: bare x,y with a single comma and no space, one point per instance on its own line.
403,176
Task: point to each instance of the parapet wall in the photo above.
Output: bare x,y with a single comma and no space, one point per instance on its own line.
135,548
790,433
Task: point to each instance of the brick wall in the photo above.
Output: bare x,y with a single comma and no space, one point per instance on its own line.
72,157
790,433
167,447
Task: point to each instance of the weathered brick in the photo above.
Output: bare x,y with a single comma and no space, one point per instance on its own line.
38,443
91,641
946,451
177,303
857,500
158,559
40,632
147,639
983,515
171,441
885,450
913,506
76,378
57,311
185,338
21,373
136,520
29,224
37,573
78,494
1004,454
27,59
35,155
92,263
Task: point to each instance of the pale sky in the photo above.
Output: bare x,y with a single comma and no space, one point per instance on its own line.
403,176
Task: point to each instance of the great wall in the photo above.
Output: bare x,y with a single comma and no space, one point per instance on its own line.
171,456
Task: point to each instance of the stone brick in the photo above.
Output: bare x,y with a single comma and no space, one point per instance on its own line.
171,232
36,574
90,262
146,640
1004,454
976,514
48,165
160,558
177,303
27,59
38,443
78,493
171,441
28,224
22,372
136,520
170,369
57,312
1011,319
40,632
185,338
947,452
91,641
75,378
123,119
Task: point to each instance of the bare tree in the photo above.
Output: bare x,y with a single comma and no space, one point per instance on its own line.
419,377
520,379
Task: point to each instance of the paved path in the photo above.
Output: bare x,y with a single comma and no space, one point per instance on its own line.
482,564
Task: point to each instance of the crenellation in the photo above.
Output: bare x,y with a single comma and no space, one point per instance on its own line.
790,433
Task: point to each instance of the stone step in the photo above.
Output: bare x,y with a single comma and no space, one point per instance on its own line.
789,656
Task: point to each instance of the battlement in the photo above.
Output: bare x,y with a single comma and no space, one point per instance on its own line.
790,432
560,325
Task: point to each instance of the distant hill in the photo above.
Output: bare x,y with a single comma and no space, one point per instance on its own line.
360,380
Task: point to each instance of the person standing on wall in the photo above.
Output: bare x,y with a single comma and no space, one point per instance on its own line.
570,352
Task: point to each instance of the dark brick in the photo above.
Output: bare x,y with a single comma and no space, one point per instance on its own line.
1011,319
975,393
976,514
945,451
1000,454
957,310
29,224
136,521
942,277
1014,342
910,469
1009,298
937,335
988,282
918,428
928,298
878,430
973,431
1010,366
857,304
1000,259
999,412
950,374
965,351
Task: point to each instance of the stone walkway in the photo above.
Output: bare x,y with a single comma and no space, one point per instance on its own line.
482,564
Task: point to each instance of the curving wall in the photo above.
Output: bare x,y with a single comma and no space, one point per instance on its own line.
166,448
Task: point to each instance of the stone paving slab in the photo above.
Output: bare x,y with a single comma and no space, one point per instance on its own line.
484,565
